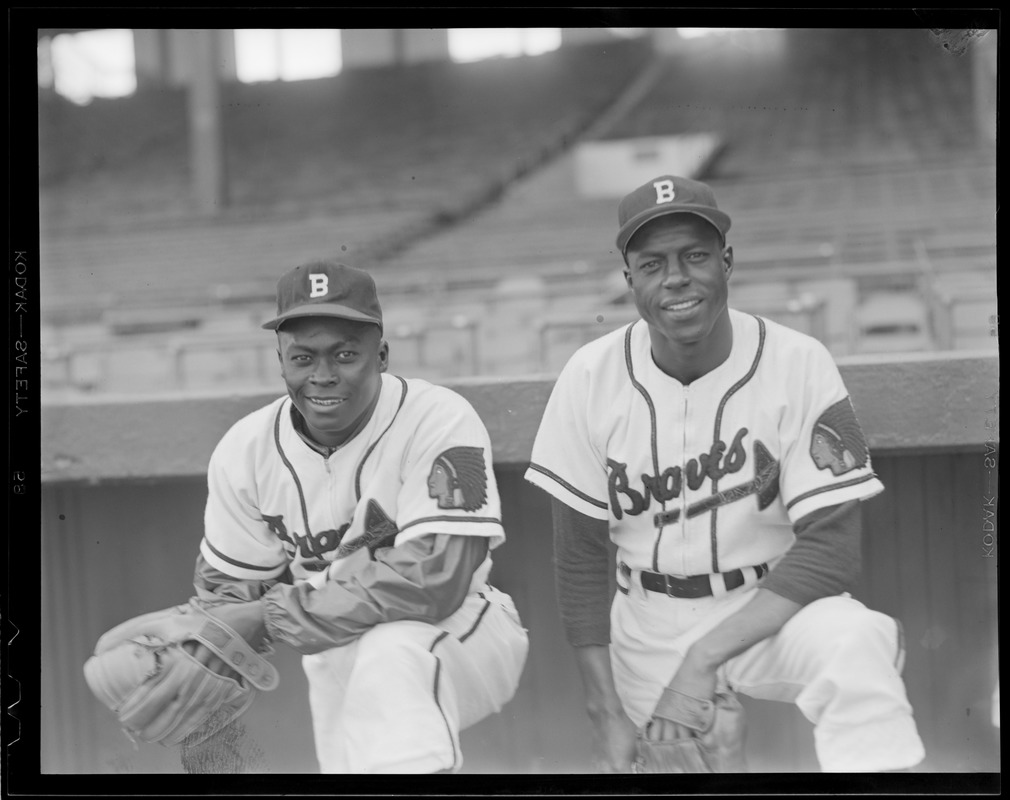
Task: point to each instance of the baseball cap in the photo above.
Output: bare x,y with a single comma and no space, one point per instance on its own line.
668,194
326,289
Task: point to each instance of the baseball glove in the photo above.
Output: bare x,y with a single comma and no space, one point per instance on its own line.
160,692
716,743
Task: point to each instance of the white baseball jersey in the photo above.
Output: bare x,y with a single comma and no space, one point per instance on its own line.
422,464
711,476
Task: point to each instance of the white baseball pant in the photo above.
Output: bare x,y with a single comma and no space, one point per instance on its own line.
837,660
396,699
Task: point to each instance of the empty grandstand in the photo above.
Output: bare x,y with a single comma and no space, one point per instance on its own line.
842,155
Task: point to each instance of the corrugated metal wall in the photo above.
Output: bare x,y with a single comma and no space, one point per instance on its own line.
115,550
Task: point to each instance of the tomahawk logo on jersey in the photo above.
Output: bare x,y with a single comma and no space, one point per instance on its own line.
264,511
710,476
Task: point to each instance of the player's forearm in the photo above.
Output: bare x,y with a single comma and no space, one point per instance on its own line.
597,675
613,732
426,580
762,617
823,561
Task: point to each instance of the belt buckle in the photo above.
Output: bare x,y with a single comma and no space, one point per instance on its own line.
666,586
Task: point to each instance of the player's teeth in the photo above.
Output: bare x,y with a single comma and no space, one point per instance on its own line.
685,304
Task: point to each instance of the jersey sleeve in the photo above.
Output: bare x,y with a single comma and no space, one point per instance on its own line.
238,540
448,483
425,579
565,463
826,460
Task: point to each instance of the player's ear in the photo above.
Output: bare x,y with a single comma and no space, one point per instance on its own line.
383,355
627,274
727,260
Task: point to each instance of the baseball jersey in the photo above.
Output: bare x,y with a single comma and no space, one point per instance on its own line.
422,464
709,476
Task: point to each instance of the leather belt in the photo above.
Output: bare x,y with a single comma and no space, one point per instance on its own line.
691,586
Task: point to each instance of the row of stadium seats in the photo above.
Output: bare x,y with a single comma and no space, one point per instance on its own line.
520,329
816,241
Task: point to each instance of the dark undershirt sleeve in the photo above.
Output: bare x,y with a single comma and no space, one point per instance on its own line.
825,560
582,575
424,579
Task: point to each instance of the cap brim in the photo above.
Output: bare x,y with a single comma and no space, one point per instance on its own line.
711,215
320,310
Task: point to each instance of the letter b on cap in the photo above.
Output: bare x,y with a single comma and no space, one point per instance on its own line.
664,191
319,285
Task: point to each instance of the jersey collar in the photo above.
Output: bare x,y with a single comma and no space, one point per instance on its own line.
385,405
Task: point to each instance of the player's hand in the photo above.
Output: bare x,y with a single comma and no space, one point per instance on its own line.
615,741
694,678
246,619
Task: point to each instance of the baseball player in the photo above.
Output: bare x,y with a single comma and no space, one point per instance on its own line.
354,520
720,453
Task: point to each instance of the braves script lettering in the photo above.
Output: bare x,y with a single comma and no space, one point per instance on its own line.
669,484
312,546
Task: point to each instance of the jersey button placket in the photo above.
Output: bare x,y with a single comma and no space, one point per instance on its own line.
331,480
683,487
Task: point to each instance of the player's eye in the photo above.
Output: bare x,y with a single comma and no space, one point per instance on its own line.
698,255
346,356
649,266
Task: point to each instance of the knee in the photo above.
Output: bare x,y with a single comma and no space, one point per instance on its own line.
855,635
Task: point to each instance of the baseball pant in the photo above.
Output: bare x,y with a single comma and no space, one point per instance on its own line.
837,660
396,699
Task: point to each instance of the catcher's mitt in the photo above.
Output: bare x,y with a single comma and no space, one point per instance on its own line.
160,692
716,744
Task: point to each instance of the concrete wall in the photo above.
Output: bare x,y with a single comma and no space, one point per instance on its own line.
904,403
122,507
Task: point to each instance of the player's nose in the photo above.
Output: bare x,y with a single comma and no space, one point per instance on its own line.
676,275
325,374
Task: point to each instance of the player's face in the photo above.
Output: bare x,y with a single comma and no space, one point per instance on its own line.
332,368
678,271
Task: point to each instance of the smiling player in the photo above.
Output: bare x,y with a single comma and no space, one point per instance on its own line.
720,452
354,520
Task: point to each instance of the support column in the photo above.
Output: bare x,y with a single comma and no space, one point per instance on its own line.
367,47
983,56
425,44
150,58
207,164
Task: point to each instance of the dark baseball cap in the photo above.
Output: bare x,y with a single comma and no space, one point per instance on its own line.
326,289
668,194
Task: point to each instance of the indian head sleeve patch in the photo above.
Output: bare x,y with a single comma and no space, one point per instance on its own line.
458,478
837,441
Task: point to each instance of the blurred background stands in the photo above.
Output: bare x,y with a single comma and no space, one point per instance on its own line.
481,195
